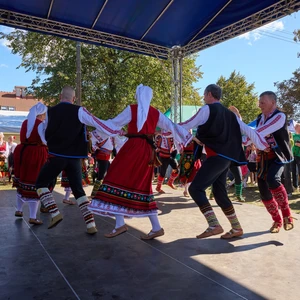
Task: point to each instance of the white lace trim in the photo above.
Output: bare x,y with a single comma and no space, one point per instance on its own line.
27,200
105,209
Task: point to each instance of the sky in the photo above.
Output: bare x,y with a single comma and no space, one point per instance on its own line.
263,56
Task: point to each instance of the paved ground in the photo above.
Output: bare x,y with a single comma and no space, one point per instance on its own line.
65,263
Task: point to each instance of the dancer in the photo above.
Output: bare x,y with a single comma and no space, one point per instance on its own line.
165,147
29,157
103,149
189,164
271,124
126,190
67,143
220,131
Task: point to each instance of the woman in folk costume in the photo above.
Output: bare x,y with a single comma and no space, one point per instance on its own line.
126,190
29,157
4,151
103,149
189,164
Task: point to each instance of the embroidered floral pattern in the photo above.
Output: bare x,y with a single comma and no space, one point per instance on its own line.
126,194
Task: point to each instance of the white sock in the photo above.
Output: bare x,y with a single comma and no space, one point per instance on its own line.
155,223
33,208
19,202
68,193
119,221
186,186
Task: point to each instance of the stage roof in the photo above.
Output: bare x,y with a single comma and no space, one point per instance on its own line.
150,27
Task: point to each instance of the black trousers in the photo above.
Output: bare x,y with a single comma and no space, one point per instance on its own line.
103,166
54,166
272,181
237,173
165,162
212,172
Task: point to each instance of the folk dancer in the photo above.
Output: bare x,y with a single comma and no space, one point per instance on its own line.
67,143
189,164
220,130
126,190
29,157
103,149
272,125
165,147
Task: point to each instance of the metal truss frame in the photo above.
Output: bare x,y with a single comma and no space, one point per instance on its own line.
263,17
176,53
176,96
267,15
28,22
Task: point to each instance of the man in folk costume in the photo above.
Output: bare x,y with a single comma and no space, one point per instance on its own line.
165,147
4,151
103,148
67,144
272,124
126,190
29,157
221,132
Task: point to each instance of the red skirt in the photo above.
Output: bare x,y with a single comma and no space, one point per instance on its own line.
127,186
28,161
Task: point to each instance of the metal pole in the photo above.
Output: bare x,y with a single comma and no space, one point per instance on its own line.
78,73
175,70
180,88
175,108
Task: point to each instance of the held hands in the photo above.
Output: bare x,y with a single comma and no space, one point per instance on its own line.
268,149
122,132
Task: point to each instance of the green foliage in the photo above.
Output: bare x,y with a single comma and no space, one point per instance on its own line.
288,92
237,92
109,76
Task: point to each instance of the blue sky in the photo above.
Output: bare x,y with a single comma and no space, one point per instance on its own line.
263,56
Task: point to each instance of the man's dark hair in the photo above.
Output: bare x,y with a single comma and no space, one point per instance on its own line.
215,91
270,94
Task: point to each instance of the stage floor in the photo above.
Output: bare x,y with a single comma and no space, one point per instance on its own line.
66,263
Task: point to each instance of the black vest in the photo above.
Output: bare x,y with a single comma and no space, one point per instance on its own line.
65,134
222,134
281,147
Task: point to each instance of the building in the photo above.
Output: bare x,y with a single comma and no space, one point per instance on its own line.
17,100
14,108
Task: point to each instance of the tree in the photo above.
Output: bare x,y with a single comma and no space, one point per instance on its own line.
237,92
109,76
288,91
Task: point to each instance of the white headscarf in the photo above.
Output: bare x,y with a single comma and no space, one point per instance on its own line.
34,111
143,97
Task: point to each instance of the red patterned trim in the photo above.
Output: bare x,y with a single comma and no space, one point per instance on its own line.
101,124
